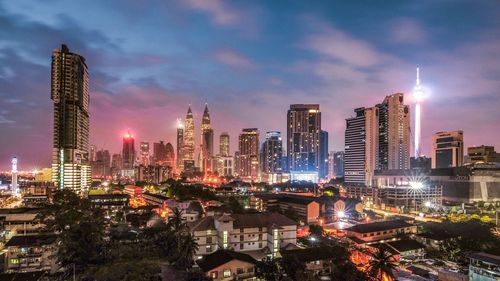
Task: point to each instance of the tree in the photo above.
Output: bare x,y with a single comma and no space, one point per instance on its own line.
382,265
292,267
79,227
316,230
187,249
268,269
347,271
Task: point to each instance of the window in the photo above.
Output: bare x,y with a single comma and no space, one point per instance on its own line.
227,273
364,235
14,261
209,232
241,237
209,240
208,249
213,274
224,239
239,270
241,246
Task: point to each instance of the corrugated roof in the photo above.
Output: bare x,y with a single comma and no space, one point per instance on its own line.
221,257
378,226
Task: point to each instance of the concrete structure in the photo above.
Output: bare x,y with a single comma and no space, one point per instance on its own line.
224,144
179,145
447,149
354,158
484,267
381,231
14,187
271,153
481,154
338,164
145,157
30,253
225,165
128,152
188,147
323,155
228,265
207,143
303,137
249,154
70,94
257,234
307,208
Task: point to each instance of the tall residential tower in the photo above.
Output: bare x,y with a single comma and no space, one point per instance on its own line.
70,94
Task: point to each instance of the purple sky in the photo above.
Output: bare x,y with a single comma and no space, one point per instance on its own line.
249,60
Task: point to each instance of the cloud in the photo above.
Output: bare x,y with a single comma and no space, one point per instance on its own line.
220,12
407,31
232,58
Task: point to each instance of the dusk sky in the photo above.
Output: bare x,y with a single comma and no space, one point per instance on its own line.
249,60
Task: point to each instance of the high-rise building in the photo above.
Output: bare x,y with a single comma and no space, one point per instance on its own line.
481,154
447,149
236,171
323,154
159,153
272,151
354,159
116,164
224,144
101,167
249,153
70,94
180,143
144,153
338,164
128,152
93,151
304,126
188,148
371,142
331,165
394,134
418,96
169,156
207,142
14,185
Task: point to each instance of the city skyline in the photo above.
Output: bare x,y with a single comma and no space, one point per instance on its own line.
134,83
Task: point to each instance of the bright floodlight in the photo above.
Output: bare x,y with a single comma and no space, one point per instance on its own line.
341,214
428,204
416,185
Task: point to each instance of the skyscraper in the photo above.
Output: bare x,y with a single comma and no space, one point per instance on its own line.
394,134
354,160
116,164
447,149
159,153
101,167
272,151
14,186
180,143
207,142
323,154
224,144
144,153
169,156
188,148
128,152
304,126
249,153
418,95
70,94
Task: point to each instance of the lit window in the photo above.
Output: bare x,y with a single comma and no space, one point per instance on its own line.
224,239
227,273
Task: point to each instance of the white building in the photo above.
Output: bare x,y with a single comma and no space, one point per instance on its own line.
258,234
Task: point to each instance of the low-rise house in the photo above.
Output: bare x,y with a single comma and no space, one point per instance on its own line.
405,248
317,260
307,207
484,267
30,253
228,265
259,234
157,200
368,233
434,240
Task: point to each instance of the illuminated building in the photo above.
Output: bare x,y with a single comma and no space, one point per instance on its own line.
44,175
144,153
394,133
207,142
224,144
180,143
225,165
361,139
484,267
188,147
447,149
93,151
159,153
249,153
418,95
128,152
236,171
323,154
170,156
70,94
338,164
303,131
14,186
116,164
272,151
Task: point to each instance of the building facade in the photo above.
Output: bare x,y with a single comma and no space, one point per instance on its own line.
179,145
323,154
128,152
303,137
447,149
188,147
249,153
224,144
70,95
271,153
207,142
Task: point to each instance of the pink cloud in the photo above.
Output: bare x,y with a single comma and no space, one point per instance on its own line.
408,31
220,12
234,59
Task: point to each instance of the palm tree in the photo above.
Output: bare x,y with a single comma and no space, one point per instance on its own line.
187,249
176,222
382,265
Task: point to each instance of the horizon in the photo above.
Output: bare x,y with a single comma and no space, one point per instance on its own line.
249,62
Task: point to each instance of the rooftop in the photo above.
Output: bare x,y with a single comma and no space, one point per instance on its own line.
405,245
31,240
378,226
221,257
310,254
489,258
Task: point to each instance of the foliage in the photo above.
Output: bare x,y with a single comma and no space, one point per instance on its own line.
185,192
268,269
316,230
382,265
128,270
235,206
292,267
79,227
345,270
